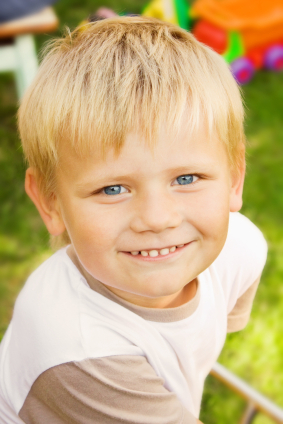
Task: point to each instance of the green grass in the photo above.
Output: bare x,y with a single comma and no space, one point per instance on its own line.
255,354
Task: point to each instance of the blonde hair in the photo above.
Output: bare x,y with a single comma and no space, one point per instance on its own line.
121,75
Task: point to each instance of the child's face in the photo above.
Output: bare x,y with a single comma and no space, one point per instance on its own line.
145,207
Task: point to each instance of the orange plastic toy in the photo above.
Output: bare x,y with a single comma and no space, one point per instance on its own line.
241,29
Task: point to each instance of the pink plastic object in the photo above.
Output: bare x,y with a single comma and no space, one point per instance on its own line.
243,70
105,13
273,58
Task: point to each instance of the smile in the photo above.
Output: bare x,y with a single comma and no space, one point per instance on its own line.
155,253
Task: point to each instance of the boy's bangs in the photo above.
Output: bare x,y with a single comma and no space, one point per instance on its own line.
126,75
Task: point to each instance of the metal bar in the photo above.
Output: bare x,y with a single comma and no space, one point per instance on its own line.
260,402
249,414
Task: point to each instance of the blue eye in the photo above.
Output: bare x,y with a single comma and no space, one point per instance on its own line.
186,179
115,189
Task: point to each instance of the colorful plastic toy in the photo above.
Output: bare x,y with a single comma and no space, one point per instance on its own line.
248,34
174,11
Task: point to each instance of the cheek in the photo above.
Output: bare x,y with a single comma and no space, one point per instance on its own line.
210,212
92,227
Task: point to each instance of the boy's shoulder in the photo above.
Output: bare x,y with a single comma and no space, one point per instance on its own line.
47,308
52,325
56,311
245,242
54,280
242,259
44,322
240,225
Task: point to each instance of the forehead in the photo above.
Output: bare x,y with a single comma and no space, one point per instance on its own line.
194,150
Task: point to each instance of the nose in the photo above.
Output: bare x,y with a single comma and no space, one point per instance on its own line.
155,212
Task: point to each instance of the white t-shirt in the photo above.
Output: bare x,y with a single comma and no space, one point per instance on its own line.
58,318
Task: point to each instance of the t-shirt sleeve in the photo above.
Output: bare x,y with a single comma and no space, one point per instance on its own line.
241,261
240,314
116,389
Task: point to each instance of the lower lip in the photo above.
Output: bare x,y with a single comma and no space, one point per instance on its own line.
158,258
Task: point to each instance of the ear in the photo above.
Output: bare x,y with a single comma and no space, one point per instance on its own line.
48,208
236,193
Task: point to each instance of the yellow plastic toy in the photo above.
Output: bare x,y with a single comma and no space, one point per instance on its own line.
173,11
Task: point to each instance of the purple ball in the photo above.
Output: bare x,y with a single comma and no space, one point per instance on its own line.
243,70
273,58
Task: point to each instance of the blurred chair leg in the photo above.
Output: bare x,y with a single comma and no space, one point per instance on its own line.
27,63
249,414
8,58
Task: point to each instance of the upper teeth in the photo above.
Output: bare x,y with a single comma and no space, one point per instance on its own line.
154,253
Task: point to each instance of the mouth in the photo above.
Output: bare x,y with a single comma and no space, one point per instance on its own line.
157,253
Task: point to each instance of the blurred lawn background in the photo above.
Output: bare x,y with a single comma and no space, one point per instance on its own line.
255,354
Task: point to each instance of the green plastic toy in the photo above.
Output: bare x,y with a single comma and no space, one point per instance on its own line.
235,47
175,11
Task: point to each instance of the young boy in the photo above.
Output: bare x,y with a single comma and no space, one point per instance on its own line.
134,135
